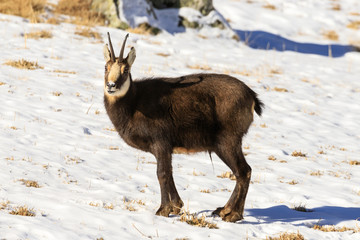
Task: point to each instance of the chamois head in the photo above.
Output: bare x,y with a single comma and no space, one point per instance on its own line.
117,70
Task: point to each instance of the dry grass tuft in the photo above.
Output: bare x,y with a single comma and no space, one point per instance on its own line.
193,220
30,9
205,190
229,175
109,206
332,228
39,34
354,25
298,154
163,54
203,67
302,208
271,158
23,64
279,89
129,204
354,13
354,162
87,32
53,20
23,211
4,205
30,183
81,12
113,148
275,70
269,6
287,236
317,173
194,173
321,152
57,94
64,71
331,35
336,7
293,182
145,29
73,160
111,129
94,204
340,174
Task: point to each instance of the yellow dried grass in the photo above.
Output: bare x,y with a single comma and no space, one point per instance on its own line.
23,64
194,220
81,12
287,236
30,9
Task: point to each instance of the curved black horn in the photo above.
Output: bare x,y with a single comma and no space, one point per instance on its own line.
121,56
112,55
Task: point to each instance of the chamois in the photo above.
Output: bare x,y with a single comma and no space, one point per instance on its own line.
192,113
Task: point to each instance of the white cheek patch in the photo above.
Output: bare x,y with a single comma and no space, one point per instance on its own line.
118,93
123,89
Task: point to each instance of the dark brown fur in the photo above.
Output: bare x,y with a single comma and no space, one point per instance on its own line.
200,112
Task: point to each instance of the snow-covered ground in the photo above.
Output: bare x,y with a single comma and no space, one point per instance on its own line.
54,130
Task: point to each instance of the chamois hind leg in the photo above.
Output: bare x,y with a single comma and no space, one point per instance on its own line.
232,156
170,199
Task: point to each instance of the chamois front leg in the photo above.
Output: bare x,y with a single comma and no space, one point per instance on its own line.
170,199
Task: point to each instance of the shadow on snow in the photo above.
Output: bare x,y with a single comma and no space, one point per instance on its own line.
269,41
327,214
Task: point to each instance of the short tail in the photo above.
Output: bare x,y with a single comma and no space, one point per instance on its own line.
259,105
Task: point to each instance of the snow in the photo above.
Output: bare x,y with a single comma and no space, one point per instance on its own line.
90,178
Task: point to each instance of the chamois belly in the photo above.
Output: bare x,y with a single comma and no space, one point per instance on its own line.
182,150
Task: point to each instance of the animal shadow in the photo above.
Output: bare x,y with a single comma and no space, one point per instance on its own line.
329,215
268,41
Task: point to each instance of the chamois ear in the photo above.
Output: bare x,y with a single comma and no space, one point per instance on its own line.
131,56
106,53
